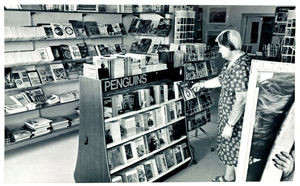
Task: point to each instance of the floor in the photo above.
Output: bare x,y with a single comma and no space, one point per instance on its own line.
208,164
41,163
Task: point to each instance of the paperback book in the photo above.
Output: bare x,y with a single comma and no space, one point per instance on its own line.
152,142
45,74
58,72
34,78
140,146
68,30
84,52
141,173
75,52
21,78
57,30
78,28
65,51
91,28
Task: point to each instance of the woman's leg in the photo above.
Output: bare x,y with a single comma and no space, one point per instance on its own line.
229,173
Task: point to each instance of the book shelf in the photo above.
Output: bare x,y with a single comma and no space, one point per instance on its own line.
19,44
94,163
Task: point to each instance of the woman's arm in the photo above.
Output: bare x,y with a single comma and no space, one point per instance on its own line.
212,83
236,112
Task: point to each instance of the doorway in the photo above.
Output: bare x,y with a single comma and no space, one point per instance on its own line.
257,31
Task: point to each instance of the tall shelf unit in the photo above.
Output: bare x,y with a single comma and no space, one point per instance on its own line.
19,44
93,159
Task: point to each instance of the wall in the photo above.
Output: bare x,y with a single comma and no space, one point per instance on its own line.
234,17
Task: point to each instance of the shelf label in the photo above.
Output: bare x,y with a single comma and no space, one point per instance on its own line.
124,82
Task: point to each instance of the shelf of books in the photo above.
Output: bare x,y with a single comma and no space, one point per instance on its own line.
139,132
25,141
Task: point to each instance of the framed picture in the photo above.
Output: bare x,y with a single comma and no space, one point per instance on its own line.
268,126
211,36
217,15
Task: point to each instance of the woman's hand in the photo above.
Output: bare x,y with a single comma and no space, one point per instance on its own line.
227,132
197,86
284,162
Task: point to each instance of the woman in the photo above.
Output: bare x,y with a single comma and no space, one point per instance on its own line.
233,81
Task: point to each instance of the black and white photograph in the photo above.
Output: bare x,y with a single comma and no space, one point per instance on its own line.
225,108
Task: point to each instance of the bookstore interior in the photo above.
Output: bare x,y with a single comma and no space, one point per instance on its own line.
137,93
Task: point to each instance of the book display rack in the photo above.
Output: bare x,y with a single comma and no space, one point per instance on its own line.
142,140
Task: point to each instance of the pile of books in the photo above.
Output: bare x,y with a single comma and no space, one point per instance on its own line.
59,123
38,126
20,135
148,169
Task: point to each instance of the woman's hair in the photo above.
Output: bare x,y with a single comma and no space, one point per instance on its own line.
230,39
276,96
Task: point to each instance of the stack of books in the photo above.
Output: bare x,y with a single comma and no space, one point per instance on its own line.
59,123
38,126
21,134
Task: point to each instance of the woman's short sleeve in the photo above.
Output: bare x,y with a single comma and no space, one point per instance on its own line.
240,77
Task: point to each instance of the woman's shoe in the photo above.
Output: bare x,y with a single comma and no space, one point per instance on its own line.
221,179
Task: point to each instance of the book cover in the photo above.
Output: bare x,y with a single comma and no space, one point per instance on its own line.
117,105
65,51
133,25
58,72
161,163
36,95
34,78
117,29
140,125
128,102
144,26
154,166
140,146
9,79
42,53
116,179
20,99
103,49
171,111
78,28
147,97
91,28
92,50
75,52
130,151
143,47
170,159
45,74
68,30
107,106
148,170
48,29
163,137
157,93
164,27
179,109
57,53
102,29
132,176
111,49
152,142
141,173
73,69
134,47
129,126
108,135
110,29
149,119
177,154
103,66
57,30
49,53
115,130
164,93
160,116
117,68
184,150
21,78
115,157
123,29
84,52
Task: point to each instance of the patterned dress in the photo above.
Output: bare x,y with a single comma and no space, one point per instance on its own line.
235,79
